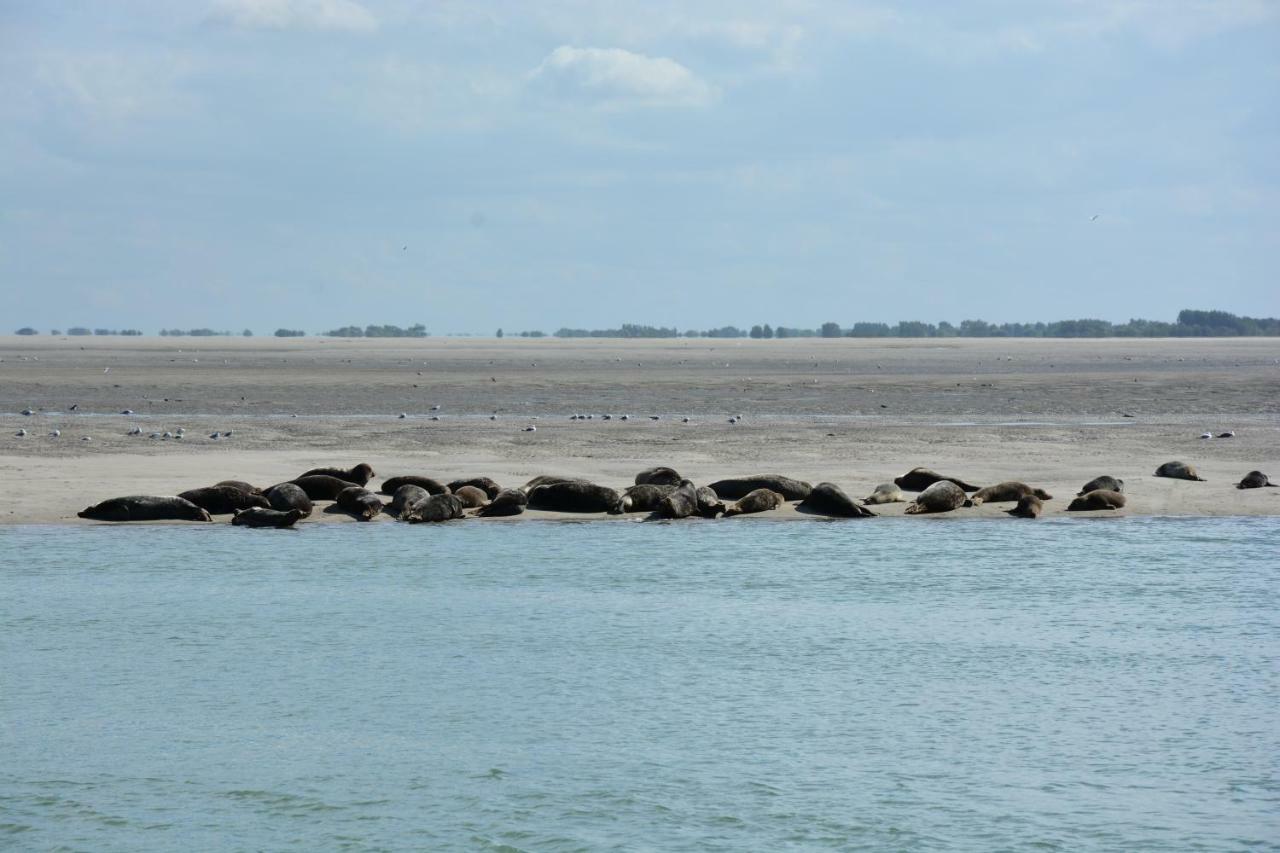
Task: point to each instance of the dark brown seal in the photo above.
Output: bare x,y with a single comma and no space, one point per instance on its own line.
286,496
145,508
739,487
241,485
756,500
359,502
359,475
680,502
575,496
224,500
259,517
941,496
1255,480
919,479
644,497
1106,481
484,484
549,480
1010,490
322,487
830,499
1029,506
434,508
1178,471
1097,499
506,502
659,476
434,487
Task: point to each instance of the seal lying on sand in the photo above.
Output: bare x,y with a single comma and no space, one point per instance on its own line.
241,485
1097,499
359,475
224,500
575,496
259,517
548,480
322,487
757,500
830,499
1178,471
433,508
659,476
506,502
405,497
680,502
885,493
484,484
471,497
1029,506
709,503
433,487
1255,480
286,496
942,496
1111,484
359,502
1010,490
644,497
919,479
739,487
145,508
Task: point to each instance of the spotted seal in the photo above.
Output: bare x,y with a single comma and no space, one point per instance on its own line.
1255,480
434,508
885,493
644,497
286,496
680,502
940,496
830,499
434,487
359,474
1010,490
919,479
145,508
739,487
1178,471
1097,499
359,502
1107,482
506,502
709,503
224,500
405,497
575,496
259,517
756,500
1029,506
658,476
548,480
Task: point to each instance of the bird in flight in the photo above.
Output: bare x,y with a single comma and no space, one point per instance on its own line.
1094,218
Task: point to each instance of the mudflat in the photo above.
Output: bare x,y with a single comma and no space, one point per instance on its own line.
857,412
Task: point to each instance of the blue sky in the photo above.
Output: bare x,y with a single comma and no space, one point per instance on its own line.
469,165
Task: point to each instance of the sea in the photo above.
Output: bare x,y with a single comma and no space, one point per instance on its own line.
892,684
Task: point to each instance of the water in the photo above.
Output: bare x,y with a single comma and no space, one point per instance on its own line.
900,684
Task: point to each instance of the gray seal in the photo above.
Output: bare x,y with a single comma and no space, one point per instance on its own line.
241,485
359,475
259,517
709,503
680,502
885,493
359,502
145,508
756,500
575,496
830,499
433,508
1178,471
1097,499
941,496
548,480
1255,480
1029,506
919,479
286,496
322,487
1111,484
484,484
659,476
434,487
644,497
1010,490
224,500
739,487
506,502
405,497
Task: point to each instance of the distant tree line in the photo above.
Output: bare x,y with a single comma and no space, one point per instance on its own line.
416,331
194,333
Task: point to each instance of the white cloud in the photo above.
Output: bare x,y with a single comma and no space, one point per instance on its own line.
343,15
618,77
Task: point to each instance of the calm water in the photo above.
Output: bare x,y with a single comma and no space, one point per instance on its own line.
900,684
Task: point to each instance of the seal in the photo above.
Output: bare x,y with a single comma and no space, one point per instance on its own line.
1178,471
286,496
941,496
321,487
548,480
680,502
241,485
644,497
359,475
885,493
1255,480
434,487
145,508
739,487
484,484
830,499
1029,506
1107,482
1010,490
405,497
1097,499
659,476
919,479
709,503
359,502
506,502
224,500
471,496
756,500
575,496
433,508
258,517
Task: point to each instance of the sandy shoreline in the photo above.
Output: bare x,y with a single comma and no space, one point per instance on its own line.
855,412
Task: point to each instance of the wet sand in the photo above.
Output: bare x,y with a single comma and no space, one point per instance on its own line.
855,412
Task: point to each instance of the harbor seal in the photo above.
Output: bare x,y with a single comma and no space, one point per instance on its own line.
830,499
359,502
1178,471
659,476
145,508
1107,482
484,484
680,502
1029,506
941,496
709,503
506,502
433,508
405,497
1010,490
286,496
259,517
575,496
360,474
241,485
739,487
548,480
322,487
644,497
1255,480
885,493
471,496
919,479
1097,499
224,500
756,500
434,487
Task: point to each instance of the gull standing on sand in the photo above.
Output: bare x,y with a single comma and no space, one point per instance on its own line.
22,433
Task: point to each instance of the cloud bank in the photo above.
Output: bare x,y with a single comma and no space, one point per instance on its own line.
617,77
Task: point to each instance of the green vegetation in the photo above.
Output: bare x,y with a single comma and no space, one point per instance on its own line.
290,333
415,331
195,333
27,330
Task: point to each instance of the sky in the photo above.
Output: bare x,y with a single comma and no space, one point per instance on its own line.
472,165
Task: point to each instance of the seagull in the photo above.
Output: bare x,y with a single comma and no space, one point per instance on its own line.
1094,218
22,433
1206,435
127,412
215,436
74,406
106,370
86,438
435,417
435,408
55,433
530,428
625,418
493,417
28,412
227,434
403,415
137,430
684,420
1228,434
655,417
733,420
168,434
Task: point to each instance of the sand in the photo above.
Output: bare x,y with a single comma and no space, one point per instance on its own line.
856,412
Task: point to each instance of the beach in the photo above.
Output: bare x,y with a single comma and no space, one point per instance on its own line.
856,412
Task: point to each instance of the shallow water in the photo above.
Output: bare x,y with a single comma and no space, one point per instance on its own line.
1073,685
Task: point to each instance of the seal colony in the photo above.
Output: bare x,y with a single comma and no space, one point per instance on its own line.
659,493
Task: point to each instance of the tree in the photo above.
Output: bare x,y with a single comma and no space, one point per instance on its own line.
248,333
499,332
27,330
757,331
290,333
767,330
830,330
